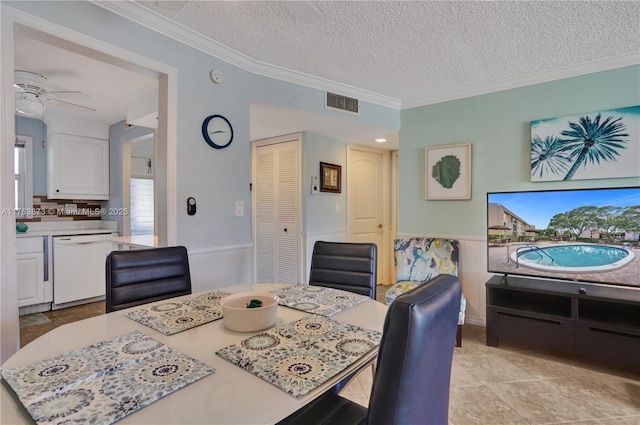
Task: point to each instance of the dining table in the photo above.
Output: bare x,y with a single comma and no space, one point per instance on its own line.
228,395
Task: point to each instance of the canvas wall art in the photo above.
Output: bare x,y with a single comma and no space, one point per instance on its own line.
596,145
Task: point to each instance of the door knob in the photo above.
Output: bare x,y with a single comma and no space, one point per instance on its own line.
380,226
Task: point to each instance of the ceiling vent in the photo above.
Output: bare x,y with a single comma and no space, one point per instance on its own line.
342,103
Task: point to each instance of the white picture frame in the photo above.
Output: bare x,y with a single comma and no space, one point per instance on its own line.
447,172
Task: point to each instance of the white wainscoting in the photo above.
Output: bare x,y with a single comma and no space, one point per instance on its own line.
472,272
338,235
213,268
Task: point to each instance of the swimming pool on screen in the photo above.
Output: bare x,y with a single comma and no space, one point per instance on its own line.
572,258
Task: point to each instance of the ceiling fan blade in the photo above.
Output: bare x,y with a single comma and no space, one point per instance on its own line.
67,94
69,105
22,113
18,88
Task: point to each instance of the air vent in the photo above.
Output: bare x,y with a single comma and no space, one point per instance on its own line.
342,103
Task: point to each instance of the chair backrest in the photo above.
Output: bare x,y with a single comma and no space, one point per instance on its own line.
421,259
411,385
348,266
142,276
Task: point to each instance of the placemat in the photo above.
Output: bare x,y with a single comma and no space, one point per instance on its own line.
317,299
299,356
103,382
177,316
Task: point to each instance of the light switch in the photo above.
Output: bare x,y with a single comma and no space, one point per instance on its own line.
337,206
239,208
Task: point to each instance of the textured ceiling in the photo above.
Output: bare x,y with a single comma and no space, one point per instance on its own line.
419,50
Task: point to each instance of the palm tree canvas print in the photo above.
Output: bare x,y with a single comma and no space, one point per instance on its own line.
595,145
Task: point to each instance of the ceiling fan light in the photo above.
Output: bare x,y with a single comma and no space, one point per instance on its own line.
29,108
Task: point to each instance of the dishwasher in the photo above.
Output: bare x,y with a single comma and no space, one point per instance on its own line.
79,266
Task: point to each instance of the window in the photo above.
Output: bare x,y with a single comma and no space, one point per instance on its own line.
23,169
141,192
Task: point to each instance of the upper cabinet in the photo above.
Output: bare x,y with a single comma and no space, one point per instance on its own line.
77,161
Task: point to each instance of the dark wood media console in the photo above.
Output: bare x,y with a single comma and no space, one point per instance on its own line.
582,318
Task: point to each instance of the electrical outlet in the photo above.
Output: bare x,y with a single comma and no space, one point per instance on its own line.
239,208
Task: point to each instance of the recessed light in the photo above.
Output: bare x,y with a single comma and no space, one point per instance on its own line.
381,140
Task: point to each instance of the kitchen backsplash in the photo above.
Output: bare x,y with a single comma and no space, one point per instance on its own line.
45,209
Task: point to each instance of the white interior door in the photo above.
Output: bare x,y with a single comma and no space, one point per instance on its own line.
277,200
368,202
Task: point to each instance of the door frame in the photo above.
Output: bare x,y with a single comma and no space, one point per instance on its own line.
301,244
127,148
13,20
385,251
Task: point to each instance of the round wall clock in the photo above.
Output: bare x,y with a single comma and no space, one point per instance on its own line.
217,131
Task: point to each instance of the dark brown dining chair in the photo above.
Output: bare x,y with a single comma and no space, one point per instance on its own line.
412,380
344,265
142,276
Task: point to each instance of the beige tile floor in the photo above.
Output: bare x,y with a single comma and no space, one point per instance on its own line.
510,384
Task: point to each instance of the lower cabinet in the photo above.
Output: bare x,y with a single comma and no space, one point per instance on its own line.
33,270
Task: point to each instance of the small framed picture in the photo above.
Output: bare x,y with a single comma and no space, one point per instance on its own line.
330,178
447,172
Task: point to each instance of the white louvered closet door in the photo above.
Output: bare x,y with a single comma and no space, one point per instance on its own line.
277,215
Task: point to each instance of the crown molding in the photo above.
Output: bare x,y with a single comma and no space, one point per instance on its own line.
605,64
158,23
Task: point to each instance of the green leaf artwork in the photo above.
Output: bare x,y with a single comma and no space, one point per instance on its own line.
446,171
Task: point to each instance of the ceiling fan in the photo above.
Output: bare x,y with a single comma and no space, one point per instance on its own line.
31,95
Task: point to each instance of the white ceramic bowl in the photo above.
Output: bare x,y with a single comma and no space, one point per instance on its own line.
237,317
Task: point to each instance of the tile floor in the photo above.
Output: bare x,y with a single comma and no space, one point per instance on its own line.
59,318
511,384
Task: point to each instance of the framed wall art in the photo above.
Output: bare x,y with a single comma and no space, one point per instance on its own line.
330,178
447,170
595,145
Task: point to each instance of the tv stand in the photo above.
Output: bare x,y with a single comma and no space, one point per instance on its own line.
583,318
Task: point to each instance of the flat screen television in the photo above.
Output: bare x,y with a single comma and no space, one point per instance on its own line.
584,235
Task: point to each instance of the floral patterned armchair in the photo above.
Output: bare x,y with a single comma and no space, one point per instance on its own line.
418,260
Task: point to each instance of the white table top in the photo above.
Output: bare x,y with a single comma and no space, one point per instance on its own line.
231,395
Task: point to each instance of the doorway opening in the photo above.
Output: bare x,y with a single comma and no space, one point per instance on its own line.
141,188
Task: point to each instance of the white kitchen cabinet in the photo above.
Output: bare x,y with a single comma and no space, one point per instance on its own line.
33,263
77,167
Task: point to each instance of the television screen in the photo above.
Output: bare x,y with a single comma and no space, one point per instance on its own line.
587,235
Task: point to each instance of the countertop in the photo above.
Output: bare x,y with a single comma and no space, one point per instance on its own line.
66,228
65,232
139,241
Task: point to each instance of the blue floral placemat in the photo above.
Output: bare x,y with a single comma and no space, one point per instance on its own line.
103,382
317,299
177,316
299,356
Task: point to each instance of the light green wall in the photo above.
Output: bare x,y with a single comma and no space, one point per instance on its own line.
498,127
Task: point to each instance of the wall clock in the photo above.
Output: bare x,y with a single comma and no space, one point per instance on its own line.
217,131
